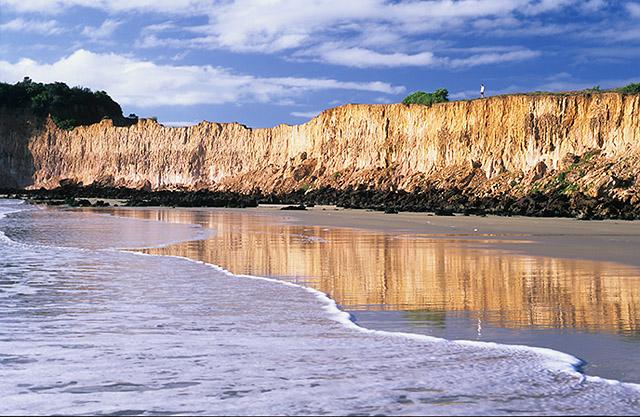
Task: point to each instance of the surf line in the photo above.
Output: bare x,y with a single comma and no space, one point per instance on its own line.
552,360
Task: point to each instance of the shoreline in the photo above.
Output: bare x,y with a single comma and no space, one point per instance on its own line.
553,239
614,241
492,234
549,360
609,240
439,201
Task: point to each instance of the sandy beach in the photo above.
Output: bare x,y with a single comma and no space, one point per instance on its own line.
107,304
606,240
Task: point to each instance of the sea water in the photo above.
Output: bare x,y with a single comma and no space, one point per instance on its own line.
89,328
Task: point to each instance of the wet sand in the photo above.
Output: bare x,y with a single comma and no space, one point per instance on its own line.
606,240
565,284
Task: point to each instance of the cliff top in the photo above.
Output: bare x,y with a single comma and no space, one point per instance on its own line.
80,107
361,107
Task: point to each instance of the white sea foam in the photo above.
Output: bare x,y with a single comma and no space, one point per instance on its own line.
6,208
554,360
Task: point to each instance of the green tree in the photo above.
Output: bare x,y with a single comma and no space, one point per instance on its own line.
68,107
441,95
633,88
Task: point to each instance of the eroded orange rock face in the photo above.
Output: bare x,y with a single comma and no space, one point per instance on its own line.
500,142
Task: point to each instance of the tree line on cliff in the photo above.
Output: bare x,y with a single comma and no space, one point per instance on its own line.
68,106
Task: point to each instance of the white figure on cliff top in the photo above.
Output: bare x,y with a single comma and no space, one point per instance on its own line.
481,90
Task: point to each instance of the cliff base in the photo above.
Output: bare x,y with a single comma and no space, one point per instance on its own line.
439,201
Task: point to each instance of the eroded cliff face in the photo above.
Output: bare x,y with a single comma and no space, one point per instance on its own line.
16,160
509,143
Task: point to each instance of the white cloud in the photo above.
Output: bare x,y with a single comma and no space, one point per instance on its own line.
282,12
104,31
356,33
371,33
363,58
145,84
180,56
593,5
633,9
622,33
545,6
492,58
275,25
45,27
498,22
305,115
188,7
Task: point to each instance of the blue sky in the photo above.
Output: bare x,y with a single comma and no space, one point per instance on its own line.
264,62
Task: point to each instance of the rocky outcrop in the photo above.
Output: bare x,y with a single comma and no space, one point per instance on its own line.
515,144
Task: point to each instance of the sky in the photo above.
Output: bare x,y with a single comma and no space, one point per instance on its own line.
265,62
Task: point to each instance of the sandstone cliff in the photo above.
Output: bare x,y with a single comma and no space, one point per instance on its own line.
512,144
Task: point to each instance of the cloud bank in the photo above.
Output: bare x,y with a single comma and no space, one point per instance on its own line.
147,84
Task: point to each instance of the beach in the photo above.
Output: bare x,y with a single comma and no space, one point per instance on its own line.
105,311
564,284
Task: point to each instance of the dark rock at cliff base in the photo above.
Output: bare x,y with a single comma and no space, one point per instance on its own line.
191,199
83,203
75,195
298,207
443,202
445,211
552,203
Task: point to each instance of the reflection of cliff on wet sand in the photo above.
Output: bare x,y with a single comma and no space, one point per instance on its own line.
391,271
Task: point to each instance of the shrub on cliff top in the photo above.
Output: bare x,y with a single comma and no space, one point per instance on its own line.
592,90
441,95
633,88
68,107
